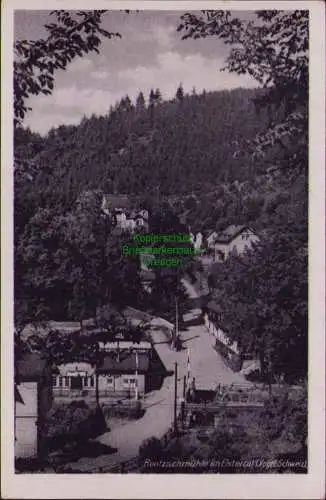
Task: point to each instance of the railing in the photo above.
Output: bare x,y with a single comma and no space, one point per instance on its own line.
216,407
91,393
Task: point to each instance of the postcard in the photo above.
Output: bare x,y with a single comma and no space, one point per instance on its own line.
163,272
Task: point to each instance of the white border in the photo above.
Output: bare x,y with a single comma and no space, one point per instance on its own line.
248,486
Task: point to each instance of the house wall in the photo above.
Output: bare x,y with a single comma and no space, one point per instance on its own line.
26,414
230,352
210,239
220,336
108,386
26,445
239,244
199,241
121,219
121,383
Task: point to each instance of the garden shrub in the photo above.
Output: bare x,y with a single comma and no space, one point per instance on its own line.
75,422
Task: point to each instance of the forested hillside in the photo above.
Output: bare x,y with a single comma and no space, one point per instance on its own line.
201,160
190,154
191,145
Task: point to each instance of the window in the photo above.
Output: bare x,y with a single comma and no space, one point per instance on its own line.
54,380
130,382
66,382
110,381
91,381
221,255
60,381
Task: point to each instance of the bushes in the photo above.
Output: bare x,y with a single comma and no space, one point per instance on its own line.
151,448
75,422
285,418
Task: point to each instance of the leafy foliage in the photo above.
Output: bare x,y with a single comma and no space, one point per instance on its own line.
199,157
72,35
274,51
264,297
75,422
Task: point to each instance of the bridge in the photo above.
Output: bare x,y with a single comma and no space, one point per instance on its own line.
214,408
241,398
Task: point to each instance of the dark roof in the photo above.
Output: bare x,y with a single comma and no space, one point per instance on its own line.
126,364
18,397
117,201
203,396
31,367
229,234
108,311
207,232
212,306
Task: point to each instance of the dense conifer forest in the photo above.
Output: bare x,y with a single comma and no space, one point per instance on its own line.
201,161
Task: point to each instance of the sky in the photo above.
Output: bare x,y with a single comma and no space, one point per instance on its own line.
150,54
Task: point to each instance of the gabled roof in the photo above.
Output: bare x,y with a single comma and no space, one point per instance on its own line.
116,201
18,397
229,234
208,232
125,364
212,306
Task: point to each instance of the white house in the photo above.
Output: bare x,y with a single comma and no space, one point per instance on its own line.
73,378
33,399
230,349
237,239
119,374
120,209
125,365
212,320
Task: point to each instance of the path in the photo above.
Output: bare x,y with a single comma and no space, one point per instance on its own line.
208,368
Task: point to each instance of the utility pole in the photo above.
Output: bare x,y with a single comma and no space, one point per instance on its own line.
136,374
176,318
175,398
176,328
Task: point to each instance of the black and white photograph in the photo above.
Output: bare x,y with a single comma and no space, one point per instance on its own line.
161,167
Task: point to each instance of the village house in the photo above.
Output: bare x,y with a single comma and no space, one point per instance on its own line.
236,239
230,350
147,278
115,202
124,371
221,342
125,217
33,399
126,374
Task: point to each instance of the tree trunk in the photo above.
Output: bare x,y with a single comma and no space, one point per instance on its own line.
97,395
270,373
262,363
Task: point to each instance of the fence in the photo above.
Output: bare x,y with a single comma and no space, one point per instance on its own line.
91,394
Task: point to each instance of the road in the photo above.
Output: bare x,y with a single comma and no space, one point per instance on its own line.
206,365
